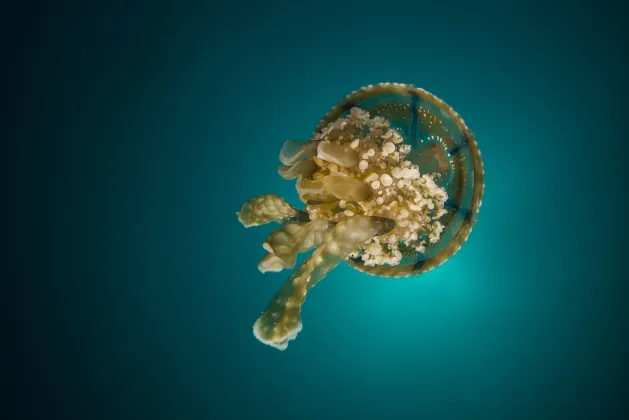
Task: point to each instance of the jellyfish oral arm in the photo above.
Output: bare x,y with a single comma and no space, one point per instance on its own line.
281,321
265,209
285,243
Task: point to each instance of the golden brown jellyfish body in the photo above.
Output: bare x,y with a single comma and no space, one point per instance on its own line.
392,182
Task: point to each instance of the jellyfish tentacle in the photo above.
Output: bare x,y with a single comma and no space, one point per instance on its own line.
345,187
289,240
267,208
281,321
295,150
341,155
309,189
305,168
271,262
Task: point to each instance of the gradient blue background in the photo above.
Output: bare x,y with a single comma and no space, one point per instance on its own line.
143,126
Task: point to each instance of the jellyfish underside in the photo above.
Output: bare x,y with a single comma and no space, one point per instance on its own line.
368,198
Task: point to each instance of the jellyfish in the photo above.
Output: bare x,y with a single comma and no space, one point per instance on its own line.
392,182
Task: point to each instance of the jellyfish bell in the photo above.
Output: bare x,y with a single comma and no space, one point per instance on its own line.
392,182
441,145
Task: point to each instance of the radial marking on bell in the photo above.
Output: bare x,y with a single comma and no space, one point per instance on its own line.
452,205
414,112
454,151
347,106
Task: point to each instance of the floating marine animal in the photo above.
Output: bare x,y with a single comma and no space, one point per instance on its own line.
392,181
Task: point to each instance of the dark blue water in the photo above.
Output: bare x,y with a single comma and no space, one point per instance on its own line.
144,126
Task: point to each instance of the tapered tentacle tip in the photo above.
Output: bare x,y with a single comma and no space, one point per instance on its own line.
271,263
276,336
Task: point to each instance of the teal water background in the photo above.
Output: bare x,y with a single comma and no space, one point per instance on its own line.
145,126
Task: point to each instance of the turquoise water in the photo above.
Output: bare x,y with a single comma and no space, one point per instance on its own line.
151,125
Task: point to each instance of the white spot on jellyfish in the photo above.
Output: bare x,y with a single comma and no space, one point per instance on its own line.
386,180
388,148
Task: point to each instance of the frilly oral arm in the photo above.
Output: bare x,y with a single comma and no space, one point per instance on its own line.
281,321
267,208
295,150
289,240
